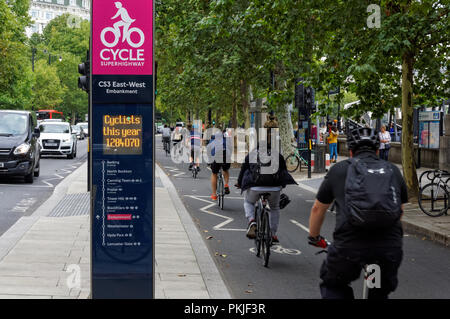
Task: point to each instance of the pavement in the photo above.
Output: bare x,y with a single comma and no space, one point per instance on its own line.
47,255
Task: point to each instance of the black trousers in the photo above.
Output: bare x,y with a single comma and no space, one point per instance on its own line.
343,266
384,154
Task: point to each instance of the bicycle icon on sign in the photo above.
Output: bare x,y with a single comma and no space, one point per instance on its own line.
125,22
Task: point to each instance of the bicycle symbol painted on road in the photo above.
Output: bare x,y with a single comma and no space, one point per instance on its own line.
280,250
125,22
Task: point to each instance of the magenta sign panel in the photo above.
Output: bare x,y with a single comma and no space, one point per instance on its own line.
123,37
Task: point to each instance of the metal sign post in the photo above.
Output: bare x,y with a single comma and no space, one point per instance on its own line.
122,166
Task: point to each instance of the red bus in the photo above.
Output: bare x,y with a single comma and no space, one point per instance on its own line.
49,115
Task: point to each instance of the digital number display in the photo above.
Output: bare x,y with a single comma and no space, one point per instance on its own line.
122,134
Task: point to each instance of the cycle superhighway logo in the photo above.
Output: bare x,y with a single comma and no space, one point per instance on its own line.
123,37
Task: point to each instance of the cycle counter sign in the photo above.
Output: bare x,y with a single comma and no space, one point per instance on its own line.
122,166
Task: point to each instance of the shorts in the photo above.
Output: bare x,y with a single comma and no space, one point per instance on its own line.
215,167
195,152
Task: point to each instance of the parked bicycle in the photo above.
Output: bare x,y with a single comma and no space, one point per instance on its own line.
434,196
296,159
263,239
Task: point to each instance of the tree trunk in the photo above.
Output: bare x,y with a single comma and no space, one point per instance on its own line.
244,101
234,111
286,131
408,158
284,120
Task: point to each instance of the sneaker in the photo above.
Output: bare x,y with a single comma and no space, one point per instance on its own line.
214,197
251,229
275,240
227,189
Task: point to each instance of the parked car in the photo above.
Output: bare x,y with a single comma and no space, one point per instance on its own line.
85,127
19,148
57,139
78,130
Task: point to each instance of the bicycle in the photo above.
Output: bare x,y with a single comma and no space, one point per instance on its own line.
263,239
434,196
220,189
195,170
366,275
166,145
294,160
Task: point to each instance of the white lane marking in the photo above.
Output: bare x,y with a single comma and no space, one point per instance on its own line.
306,229
176,172
296,223
211,204
227,197
24,205
306,187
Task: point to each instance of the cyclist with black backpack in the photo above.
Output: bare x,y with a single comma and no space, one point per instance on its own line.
369,194
263,168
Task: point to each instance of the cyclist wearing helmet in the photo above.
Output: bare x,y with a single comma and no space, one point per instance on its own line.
220,142
357,243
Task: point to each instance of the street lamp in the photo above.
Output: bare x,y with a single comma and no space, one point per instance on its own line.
50,57
33,57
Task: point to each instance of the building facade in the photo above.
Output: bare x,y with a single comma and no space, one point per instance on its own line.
43,11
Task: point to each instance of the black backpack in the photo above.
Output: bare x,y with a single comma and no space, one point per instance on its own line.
260,179
372,194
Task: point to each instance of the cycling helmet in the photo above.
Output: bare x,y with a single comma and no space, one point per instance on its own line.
284,201
364,137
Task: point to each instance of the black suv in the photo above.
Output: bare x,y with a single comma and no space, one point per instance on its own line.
19,147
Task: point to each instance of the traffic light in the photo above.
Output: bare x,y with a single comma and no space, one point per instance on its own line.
84,79
309,98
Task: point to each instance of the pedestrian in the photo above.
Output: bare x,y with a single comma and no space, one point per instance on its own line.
332,142
385,143
369,194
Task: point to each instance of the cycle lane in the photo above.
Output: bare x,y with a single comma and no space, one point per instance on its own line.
294,268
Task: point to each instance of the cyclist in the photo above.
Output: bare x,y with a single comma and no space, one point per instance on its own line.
220,142
166,132
248,179
125,21
195,141
355,245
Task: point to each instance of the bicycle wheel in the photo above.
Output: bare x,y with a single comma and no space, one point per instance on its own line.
258,237
292,163
266,237
222,192
167,148
433,200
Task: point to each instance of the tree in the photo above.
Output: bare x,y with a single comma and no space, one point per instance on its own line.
15,68
70,42
74,101
47,92
399,62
